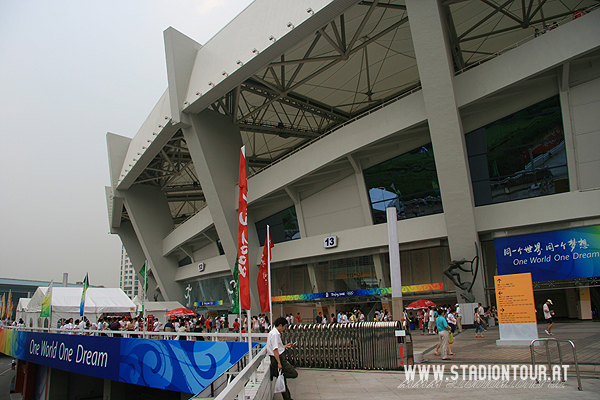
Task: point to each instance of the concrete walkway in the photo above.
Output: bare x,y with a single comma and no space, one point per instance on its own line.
472,352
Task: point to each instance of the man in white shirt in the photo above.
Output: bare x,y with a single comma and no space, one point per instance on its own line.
276,350
69,325
458,315
431,321
548,316
156,325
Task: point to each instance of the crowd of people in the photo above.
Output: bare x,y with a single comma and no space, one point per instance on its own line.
181,326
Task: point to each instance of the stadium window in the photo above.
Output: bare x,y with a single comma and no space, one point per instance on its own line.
283,226
519,156
408,182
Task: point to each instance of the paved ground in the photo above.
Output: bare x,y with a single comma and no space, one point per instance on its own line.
468,350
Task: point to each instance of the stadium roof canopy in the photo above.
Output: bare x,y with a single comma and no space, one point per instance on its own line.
304,69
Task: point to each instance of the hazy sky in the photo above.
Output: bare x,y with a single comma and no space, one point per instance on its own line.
71,71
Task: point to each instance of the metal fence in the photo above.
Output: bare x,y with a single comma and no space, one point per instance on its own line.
362,345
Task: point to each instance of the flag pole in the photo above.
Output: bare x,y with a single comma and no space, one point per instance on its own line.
268,242
145,290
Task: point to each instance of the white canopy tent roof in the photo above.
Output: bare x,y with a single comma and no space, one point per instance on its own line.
157,308
65,303
22,308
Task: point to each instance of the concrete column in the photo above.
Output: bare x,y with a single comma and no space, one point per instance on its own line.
299,214
151,219
584,303
214,143
383,280
436,70
362,189
136,254
58,384
314,284
565,106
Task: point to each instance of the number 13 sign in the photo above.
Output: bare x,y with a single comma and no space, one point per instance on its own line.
330,241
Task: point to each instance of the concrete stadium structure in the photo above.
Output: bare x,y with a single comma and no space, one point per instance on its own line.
348,107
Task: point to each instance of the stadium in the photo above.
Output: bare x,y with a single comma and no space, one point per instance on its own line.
477,120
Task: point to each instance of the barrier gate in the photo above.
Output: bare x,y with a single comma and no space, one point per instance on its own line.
361,345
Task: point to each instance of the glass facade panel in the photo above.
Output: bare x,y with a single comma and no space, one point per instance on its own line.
408,182
290,280
283,225
520,156
212,289
332,276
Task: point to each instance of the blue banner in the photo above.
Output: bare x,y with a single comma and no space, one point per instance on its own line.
176,365
208,303
556,255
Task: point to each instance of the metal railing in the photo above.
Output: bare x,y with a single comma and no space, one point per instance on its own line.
361,345
236,389
214,337
557,341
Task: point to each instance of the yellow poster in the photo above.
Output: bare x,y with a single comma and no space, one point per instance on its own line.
514,299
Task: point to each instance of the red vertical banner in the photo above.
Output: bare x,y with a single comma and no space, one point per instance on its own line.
244,276
264,292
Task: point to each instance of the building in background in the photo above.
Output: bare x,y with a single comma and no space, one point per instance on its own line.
454,112
128,281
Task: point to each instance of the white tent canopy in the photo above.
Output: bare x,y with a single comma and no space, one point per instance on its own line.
22,308
65,304
157,308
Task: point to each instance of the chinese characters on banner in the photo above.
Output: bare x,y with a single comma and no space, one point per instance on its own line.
556,255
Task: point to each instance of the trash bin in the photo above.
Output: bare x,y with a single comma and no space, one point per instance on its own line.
412,326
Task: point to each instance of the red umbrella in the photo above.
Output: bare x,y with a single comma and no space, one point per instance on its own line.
180,312
418,304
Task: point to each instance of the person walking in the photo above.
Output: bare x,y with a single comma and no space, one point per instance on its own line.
276,351
481,313
458,315
548,314
431,323
478,323
443,332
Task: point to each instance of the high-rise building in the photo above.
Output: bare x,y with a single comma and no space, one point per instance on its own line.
128,281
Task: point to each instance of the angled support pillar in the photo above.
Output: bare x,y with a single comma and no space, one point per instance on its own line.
136,254
565,106
362,189
436,70
315,287
151,219
299,214
214,143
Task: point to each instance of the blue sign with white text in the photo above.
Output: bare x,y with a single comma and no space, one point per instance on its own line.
177,365
548,256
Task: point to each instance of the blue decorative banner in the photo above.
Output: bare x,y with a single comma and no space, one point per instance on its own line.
556,255
208,303
327,295
177,365
359,292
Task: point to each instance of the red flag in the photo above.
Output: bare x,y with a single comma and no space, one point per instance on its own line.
264,289
244,278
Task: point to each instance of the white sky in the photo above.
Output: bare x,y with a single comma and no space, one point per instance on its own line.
71,71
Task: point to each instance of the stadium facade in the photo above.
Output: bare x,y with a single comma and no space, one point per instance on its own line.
458,113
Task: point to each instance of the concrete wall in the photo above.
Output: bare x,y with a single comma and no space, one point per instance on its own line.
585,112
336,208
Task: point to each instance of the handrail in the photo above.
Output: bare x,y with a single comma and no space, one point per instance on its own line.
235,389
256,337
557,341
